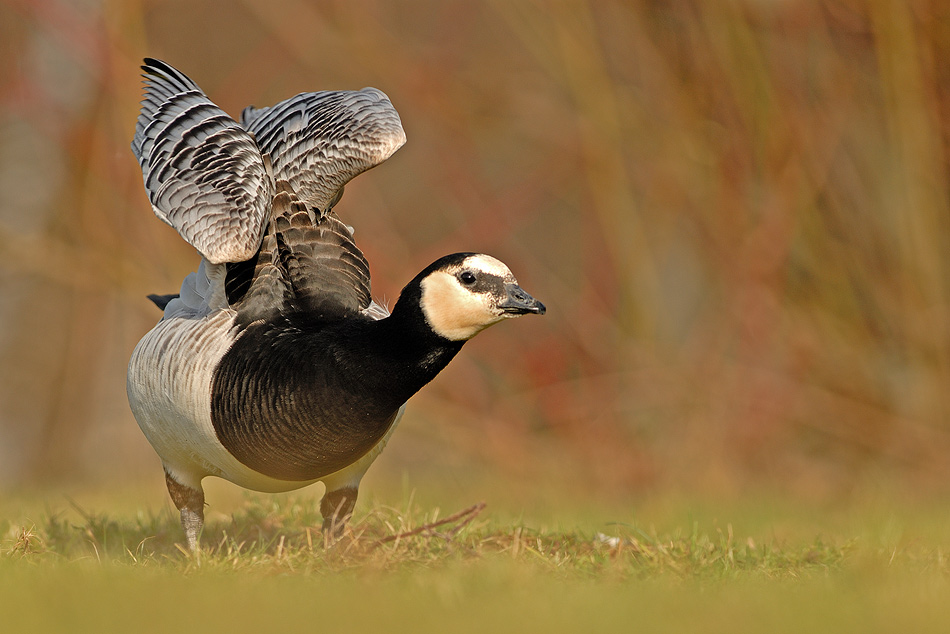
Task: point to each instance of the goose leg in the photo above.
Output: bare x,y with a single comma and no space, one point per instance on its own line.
337,508
190,503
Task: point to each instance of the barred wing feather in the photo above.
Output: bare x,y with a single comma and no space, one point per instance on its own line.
319,141
204,173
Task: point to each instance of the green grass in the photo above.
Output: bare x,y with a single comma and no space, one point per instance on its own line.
272,536
767,567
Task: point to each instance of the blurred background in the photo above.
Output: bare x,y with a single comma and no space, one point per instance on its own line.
736,212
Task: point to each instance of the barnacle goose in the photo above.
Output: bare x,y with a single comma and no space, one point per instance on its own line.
273,367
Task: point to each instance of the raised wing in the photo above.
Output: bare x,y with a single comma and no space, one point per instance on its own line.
318,141
204,173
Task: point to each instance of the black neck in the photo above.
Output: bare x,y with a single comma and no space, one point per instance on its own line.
414,354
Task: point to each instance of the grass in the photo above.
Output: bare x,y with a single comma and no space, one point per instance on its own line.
271,536
863,569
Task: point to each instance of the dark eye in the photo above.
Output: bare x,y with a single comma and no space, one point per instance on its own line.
467,278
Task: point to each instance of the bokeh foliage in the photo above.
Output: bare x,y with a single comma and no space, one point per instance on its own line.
737,213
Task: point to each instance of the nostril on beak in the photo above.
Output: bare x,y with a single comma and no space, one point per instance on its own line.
520,302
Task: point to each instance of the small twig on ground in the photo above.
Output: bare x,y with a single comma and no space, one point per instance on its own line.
465,515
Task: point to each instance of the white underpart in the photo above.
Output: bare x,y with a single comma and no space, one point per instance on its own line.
169,386
454,311
375,310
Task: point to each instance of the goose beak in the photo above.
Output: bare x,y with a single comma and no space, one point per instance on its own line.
518,302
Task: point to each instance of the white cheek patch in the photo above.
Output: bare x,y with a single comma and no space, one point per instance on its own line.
455,312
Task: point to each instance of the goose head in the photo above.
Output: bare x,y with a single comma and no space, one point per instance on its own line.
460,295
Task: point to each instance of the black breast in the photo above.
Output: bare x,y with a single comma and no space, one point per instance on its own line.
298,400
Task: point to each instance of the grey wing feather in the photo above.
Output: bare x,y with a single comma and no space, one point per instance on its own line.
319,141
204,173
306,263
328,273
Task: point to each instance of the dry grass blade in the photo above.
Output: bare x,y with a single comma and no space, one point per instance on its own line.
464,517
